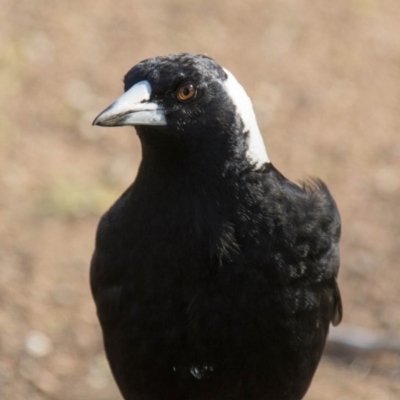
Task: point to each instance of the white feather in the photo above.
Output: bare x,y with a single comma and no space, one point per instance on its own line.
256,152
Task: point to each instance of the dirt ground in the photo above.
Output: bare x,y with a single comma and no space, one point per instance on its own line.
325,80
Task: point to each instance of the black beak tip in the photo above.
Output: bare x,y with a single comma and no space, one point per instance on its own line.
97,120
100,120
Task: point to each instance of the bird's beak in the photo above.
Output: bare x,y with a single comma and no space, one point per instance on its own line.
133,108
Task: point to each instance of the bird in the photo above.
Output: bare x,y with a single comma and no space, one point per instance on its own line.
214,276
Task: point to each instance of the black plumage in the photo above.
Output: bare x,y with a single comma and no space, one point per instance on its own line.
213,275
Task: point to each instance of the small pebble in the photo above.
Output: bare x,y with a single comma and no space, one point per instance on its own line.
37,344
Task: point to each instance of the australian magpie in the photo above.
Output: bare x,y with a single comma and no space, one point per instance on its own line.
213,275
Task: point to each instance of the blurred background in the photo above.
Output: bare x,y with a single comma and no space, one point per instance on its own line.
325,81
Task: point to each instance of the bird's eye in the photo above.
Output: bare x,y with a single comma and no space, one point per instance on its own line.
185,92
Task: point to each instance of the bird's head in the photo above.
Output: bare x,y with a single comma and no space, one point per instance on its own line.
188,100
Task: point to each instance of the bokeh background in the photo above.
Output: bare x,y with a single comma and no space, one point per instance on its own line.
325,80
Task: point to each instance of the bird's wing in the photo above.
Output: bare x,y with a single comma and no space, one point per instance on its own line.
308,228
328,230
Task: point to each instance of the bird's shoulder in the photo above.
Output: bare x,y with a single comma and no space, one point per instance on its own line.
299,230
293,214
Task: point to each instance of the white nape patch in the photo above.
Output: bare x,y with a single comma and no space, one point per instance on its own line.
256,152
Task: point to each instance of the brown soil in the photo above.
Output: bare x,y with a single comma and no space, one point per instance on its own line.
325,81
